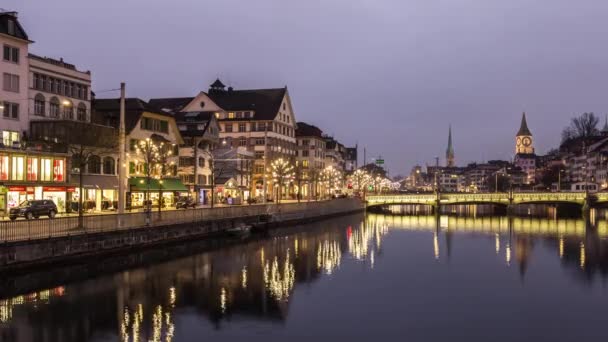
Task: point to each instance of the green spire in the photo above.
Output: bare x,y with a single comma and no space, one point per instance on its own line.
523,129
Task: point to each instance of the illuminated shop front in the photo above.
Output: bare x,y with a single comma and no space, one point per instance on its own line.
32,176
171,189
100,193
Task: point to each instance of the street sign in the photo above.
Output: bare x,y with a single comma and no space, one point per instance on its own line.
379,161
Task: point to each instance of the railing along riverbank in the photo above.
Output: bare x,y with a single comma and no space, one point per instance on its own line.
26,230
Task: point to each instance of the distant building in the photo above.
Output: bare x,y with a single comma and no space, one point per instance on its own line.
525,158
310,158
449,153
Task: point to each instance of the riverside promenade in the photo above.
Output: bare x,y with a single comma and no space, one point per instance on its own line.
31,242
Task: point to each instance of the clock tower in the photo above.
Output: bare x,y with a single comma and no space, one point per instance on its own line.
523,139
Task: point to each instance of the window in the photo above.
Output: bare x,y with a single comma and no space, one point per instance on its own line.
58,167
261,126
133,145
3,167
39,105
305,163
231,115
305,142
11,54
202,180
242,127
187,179
10,138
108,166
239,115
10,27
81,113
45,169
259,169
305,153
201,162
228,128
259,154
18,166
242,141
260,141
10,82
94,165
11,110
186,161
156,125
68,110
54,107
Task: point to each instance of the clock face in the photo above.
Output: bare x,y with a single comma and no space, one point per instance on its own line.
518,141
526,141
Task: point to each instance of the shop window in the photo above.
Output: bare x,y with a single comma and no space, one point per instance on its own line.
32,169
18,168
108,166
3,167
58,170
94,165
10,138
46,169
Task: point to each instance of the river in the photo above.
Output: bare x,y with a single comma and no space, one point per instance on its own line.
360,278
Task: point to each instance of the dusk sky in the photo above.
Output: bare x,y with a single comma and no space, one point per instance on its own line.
390,75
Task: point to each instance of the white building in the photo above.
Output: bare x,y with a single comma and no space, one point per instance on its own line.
58,90
14,90
259,120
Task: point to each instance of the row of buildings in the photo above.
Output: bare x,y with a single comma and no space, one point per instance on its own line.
579,164
60,142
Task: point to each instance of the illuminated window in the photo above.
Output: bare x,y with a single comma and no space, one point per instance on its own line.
3,167
231,115
18,168
9,138
58,170
32,169
46,174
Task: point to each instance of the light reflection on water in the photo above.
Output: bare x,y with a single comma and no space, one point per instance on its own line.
257,281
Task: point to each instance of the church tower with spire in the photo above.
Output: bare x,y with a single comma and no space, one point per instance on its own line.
523,139
449,153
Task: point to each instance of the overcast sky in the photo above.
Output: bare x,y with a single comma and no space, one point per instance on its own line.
390,75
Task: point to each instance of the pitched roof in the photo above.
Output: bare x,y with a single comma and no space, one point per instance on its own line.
18,32
134,108
305,130
523,129
174,104
266,103
195,118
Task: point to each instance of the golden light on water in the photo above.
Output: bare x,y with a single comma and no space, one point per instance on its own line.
582,255
328,256
508,254
561,247
497,242
436,245
223,300
244,277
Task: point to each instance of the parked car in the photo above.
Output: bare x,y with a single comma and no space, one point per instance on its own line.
185,203
34,209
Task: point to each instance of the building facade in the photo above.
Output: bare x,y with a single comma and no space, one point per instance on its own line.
310,160
14,90
259,120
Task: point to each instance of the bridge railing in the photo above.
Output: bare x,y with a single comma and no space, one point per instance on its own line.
502,197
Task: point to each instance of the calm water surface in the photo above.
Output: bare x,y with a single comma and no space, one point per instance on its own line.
389,278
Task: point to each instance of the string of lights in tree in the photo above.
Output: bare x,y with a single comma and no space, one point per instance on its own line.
155,155
282,171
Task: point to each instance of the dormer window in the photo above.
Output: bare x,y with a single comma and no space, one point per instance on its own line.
231,115
10,27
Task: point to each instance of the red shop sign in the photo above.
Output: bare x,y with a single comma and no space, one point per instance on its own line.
70,189
53,188
30,190
16,188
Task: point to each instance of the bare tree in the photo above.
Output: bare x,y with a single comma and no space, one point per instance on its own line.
84,142
300,178
583,126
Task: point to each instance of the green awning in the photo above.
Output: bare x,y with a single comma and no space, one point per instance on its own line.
165,184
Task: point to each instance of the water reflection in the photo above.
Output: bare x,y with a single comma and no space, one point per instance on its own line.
258,279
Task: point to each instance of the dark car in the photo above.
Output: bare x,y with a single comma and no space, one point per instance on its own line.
185,203
34,209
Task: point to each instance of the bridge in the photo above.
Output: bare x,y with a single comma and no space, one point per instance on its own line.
501,198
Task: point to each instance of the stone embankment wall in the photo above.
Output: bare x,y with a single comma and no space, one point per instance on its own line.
44,251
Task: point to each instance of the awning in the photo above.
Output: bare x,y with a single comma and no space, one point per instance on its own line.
165,184
95,182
